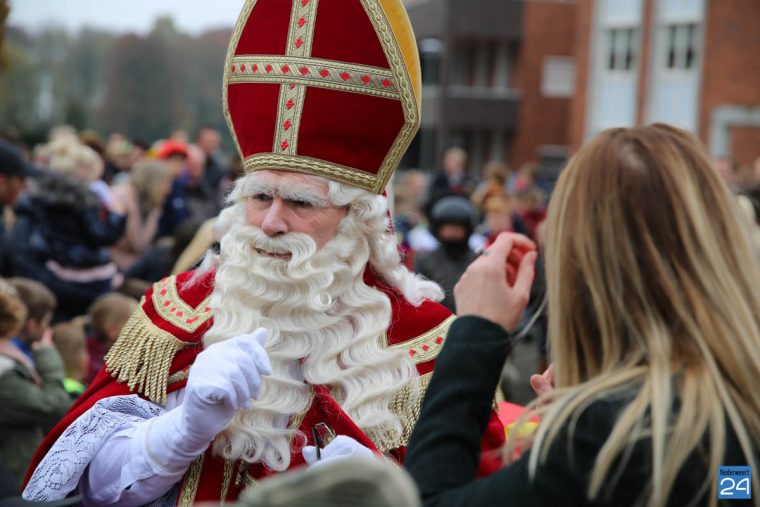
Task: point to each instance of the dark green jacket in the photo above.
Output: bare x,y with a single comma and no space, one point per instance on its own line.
29,410
443,450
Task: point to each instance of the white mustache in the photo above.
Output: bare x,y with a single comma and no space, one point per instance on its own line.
299,245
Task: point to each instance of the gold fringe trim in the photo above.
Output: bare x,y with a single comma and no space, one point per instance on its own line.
242,473
178,376
250,482
406,405
229,466
190,484
142,356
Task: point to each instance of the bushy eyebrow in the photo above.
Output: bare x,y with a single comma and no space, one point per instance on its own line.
291,192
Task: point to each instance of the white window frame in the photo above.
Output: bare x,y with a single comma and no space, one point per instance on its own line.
657,65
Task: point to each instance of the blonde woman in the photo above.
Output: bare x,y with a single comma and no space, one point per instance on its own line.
143,195
654,331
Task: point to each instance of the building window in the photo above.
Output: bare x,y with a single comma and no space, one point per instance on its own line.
502,66
558,77
481,64
463,65
681,51
430,61
621,49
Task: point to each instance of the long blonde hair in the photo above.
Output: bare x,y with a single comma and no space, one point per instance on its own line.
653,287
149,178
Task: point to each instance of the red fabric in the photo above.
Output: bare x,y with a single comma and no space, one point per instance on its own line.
345,33
350,129
266,30
355,130
253,108
407,322
491,447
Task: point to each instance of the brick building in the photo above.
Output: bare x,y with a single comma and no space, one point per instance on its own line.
498,78
692,63
530,80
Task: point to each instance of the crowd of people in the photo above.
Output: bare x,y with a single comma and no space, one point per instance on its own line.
88,225
175,329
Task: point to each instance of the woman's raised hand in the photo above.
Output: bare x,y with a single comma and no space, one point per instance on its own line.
496,286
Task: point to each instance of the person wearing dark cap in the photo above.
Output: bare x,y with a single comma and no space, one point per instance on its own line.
452,221
13,174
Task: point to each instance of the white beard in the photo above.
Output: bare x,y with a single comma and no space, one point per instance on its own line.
326,328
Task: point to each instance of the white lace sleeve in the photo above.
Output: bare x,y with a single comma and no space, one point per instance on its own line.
60,471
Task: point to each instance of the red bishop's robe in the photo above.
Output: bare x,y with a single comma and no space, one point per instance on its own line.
159,343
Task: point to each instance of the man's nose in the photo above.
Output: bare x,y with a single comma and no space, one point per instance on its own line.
275,222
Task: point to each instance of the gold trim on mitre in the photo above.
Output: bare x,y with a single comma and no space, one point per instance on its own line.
142,356
399,22
406,74
245,12
308,165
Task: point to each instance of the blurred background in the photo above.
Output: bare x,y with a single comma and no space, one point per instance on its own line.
142,68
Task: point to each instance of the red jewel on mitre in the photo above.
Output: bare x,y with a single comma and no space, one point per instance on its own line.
323,87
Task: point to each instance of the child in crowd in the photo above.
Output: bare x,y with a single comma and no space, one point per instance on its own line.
69,339
40,303
31,373
107,316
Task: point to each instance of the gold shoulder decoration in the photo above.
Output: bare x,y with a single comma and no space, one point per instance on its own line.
142,356
174,310
426,346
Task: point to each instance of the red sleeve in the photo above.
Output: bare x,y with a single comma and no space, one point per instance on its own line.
491,447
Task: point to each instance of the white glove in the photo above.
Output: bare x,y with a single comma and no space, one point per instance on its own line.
224,378
341,447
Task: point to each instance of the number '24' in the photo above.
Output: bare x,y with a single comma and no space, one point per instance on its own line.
742,486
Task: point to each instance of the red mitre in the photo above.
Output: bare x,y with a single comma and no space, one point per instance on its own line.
323,87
